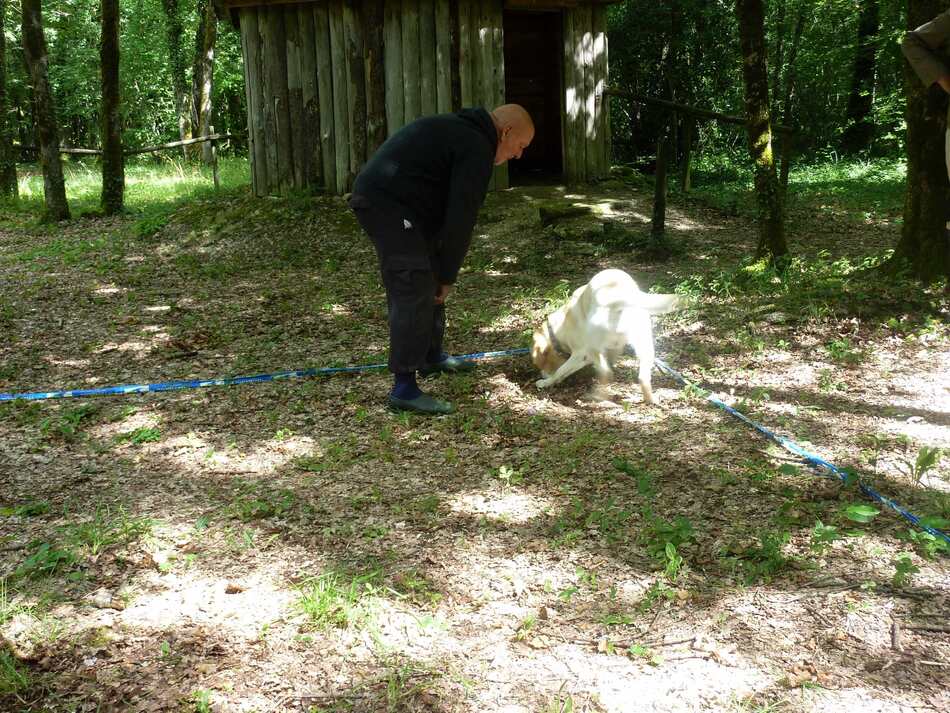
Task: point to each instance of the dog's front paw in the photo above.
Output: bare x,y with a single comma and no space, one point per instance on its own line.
543,383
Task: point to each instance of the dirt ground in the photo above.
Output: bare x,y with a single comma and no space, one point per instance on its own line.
294,545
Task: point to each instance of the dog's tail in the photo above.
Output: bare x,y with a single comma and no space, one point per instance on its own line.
658,304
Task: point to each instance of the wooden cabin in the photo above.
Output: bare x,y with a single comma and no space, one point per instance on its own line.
328,80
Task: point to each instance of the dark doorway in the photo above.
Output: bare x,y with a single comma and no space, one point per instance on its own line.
533,79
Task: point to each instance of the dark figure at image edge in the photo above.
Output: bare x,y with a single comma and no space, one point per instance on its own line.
927,49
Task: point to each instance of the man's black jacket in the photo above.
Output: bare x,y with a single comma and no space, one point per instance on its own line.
436,170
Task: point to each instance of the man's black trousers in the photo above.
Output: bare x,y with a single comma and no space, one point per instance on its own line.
416,323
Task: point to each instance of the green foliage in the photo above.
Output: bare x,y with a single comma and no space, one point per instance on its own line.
674,562
152,190
927,459
689,51
417,587
509,476
644,480
45,560
930,545
904,568
842,351
67,424
140,436
657,592
335,600
106,528
72,36
860,513
760,562
608,518
822,536
659,534
28,509
638,651
257,501
201,701
14,677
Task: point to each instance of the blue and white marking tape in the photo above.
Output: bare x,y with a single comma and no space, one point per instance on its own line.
227,381
820,465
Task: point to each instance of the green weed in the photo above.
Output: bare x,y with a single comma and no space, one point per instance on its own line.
105,529
334,600
45,561
255,501
927,459
67,425
657,533
760,562
14,677
822,536
843,352
28,509
140,436
904,568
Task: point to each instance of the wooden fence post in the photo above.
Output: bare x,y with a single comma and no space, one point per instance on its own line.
663,150
689,137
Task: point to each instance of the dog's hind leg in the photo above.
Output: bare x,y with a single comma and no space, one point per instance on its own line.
575,362
642,342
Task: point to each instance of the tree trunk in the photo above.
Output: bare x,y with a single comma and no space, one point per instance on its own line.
860,129
778,56
113,167
203,73
924,246
47,131
789,92
174,30
8,185
754,68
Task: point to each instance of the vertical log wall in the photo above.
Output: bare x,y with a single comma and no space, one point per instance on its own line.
586,127
326,81
432,46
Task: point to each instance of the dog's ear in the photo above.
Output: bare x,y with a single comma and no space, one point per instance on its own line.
539,346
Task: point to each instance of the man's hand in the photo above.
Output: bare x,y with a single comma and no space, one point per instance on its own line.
944,82
441,292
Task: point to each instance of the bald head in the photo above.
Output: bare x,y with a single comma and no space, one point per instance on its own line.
515,131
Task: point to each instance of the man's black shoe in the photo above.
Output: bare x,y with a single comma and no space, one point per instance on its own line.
423,404
449,365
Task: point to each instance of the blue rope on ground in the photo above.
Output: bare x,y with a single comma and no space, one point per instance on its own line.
818,463
822,466
229,381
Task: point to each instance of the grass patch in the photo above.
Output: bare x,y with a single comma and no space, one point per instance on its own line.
68,424
255,501
107,528
45,560
862,189
14,677
819,289
152,188
334,600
